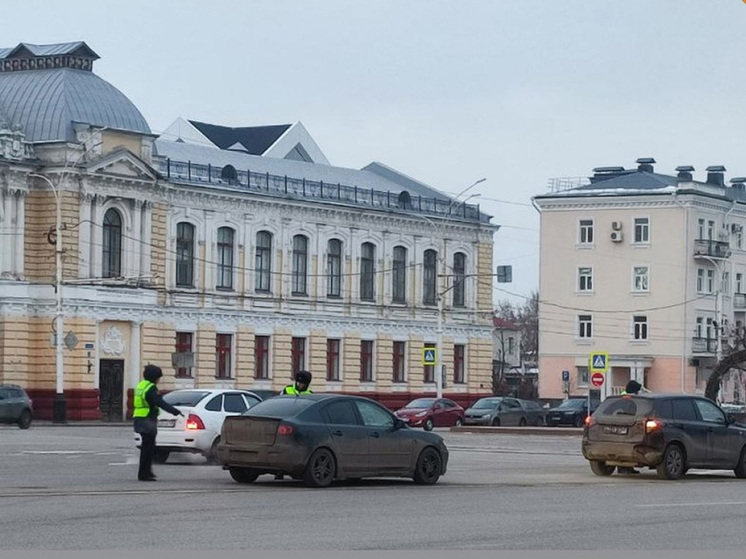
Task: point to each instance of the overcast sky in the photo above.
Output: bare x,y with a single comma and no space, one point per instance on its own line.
517,91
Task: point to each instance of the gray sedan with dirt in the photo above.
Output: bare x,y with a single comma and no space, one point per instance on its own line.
318,438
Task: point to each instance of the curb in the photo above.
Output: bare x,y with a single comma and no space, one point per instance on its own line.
48,423
487,430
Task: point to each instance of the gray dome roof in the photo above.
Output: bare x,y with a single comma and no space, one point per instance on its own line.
45,103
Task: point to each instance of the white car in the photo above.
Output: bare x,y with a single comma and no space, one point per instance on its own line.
198,431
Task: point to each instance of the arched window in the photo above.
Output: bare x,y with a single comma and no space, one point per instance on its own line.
368,272
112,249
300,265
429,277
225,258
229,175
185,255
334,268
459,279
263,266
399,275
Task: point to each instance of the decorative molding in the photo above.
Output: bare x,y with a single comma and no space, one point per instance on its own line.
112,342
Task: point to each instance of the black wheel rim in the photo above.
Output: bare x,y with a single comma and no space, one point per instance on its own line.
430,466
674,462
322,468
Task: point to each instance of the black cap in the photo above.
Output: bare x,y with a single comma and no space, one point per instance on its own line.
152,373
633,387
303,377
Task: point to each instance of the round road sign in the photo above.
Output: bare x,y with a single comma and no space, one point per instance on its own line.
597,379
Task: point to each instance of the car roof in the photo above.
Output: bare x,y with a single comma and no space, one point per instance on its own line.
212,390
659,395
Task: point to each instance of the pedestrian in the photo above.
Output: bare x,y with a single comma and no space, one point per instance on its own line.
145,414
633,387
301,386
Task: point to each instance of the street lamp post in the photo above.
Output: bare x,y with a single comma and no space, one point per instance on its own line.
441,293
59,412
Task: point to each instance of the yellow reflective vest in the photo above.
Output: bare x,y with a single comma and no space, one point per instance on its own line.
140,404
293,391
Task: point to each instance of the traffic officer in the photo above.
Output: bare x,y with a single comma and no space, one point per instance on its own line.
301,386
145,415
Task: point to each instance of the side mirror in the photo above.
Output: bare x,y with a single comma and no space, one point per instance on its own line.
729,419
399,424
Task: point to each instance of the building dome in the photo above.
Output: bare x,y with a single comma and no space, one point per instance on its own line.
44,93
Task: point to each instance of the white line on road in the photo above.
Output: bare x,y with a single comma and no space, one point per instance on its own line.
671,505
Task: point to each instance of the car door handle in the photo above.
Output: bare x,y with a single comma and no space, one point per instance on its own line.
375,434
337,433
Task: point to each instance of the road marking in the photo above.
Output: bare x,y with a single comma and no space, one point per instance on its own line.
672,505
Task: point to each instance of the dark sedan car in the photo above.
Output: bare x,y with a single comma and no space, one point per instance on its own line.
431,412
322,437
15,406
572,411
504,411
666,432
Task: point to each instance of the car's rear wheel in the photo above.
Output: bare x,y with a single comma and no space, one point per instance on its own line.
522,422
243,475
601,469
579,421
24,421
673,465
740,469
161,456
427,470
428,426
459,422
212,454
321,469
496,422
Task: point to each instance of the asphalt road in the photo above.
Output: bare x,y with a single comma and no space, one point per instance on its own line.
74,487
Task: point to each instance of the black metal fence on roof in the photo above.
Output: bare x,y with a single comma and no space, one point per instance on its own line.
291,187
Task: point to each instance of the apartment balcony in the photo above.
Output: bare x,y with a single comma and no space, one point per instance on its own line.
739,302
704,345
706,248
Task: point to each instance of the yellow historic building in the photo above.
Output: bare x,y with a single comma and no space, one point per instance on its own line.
230,257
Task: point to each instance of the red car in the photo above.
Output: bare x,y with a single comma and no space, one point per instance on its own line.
431,412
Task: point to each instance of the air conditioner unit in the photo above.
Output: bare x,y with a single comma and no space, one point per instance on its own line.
616,236
616,225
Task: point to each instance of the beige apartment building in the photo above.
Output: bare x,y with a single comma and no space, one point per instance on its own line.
230,257
646,267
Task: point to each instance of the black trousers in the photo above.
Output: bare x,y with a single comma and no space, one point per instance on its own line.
147,450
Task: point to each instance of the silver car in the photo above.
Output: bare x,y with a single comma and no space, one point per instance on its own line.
501,410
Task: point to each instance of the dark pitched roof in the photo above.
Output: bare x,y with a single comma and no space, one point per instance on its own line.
255,139
503,324
636,180
78,48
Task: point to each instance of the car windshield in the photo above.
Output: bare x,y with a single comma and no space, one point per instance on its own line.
487,404
280,407
421,403
626,405
574,404
185,397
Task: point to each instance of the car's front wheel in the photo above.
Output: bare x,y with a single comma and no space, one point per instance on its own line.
428,426
740,469
24,421
459,422
522,422
243,475
496,422
321,469
427,470
579,421
673,465
601,469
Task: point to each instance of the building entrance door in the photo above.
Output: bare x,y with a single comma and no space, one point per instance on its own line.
111,387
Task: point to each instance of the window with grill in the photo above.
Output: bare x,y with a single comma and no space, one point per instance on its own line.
367,272
263,264
185,255
112,241
334,268
225,258
429,277
399,275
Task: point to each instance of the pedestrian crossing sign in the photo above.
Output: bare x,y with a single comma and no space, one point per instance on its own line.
429,355
599,362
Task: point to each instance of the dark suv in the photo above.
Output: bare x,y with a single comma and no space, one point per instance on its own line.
666,432
15,406
572,411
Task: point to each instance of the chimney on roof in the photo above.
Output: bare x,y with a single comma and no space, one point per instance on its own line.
685,172
738,183
715,175
645,164
604,173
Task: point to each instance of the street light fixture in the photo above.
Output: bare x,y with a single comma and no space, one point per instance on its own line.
440,231
59,412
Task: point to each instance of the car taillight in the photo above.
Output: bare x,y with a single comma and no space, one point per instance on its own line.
285,430
652,425
194,422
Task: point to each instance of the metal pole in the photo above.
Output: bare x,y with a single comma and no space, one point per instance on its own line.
441,299
59,414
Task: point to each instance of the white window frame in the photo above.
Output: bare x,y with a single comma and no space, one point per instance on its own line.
644,230
643,285
640,328
725,283
583,375
585,277
700,280
701,229
710,281
585,327
739,282
586,226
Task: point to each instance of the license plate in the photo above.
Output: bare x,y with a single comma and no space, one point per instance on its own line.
616,429
166,422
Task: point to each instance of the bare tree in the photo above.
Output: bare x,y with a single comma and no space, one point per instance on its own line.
735,359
